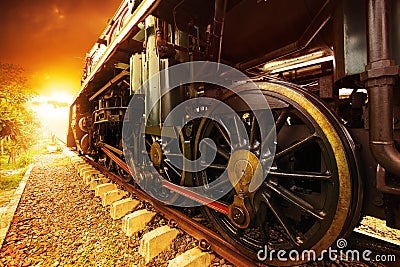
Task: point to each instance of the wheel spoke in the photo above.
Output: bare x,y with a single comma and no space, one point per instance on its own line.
296,146
172,167
220,151
148,142
280,218
222,184
275,129
223,153
239,135
300,175
218,166
296,200
278,124
281,120
166,171
252,135
222,132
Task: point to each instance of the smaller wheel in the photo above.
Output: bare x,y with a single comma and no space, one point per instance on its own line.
126,177
156,150
107,162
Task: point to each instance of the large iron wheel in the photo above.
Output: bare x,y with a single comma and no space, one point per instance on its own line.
311,195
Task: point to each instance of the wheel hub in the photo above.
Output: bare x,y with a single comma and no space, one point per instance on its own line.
156,154
244,171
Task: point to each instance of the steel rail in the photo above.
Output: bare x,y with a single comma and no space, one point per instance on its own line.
363,240
357,239
376,248
187,224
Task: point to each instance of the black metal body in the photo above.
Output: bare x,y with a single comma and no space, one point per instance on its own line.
260,38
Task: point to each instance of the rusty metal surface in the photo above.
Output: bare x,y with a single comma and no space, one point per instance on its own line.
379,76
379,245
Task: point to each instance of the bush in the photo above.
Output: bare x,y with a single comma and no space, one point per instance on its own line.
12,180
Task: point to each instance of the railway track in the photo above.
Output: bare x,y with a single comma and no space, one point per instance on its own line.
379,246
210,240
207,237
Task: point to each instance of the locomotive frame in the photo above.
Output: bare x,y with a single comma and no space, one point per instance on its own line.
337,155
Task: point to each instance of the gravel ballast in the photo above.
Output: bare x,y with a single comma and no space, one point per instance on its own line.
59,222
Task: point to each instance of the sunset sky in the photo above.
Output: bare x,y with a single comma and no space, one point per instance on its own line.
49,39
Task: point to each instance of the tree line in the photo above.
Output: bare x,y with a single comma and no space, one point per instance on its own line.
18,125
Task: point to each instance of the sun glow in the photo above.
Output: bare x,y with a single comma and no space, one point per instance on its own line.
53,112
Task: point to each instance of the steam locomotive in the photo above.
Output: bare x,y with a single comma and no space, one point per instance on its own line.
328,70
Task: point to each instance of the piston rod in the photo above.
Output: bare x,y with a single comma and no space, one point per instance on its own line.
218,29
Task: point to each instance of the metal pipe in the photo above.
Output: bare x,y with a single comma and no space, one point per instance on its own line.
380,78
218,29
381,182
379,47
